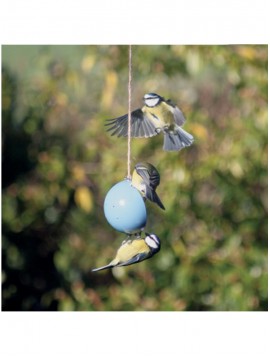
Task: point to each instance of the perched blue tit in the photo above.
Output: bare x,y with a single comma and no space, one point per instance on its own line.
133,251
157,115
146,178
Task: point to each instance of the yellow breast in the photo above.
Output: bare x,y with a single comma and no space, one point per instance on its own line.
161,115
137,181
130,249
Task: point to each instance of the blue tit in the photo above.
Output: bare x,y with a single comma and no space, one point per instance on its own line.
157,115
146,178
133,251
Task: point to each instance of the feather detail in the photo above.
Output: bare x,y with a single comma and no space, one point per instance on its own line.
177,139
141,125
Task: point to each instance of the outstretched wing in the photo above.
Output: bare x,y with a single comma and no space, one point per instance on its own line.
141,125
177,113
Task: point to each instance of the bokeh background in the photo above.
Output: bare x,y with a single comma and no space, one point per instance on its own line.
58,163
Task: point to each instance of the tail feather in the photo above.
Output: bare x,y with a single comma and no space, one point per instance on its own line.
177,140
151,195
102,268
157,200
169,142
186,138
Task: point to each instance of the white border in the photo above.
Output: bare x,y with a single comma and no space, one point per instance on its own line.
137,22
135,334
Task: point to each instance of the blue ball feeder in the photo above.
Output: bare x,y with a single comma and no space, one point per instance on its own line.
124,208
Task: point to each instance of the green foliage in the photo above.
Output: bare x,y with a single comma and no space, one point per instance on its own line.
59,163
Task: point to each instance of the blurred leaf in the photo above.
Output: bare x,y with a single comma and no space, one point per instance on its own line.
111,80
84,199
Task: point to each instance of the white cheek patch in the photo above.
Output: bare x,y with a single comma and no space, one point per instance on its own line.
151,102
151,242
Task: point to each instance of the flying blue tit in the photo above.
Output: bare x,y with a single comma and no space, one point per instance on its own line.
146,178
133,251
157,115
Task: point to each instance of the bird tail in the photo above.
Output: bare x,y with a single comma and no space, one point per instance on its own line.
177,139
151,195
102,268
157,200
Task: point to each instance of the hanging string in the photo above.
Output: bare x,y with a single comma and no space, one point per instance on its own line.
129,111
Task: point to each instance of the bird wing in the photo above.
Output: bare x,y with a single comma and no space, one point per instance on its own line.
141,125
136,259
153,179
144,173
151,182
177,113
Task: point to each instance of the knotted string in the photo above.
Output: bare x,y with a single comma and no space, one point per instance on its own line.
129,111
